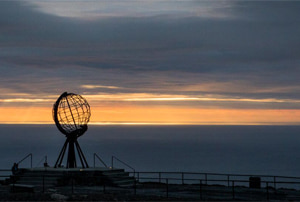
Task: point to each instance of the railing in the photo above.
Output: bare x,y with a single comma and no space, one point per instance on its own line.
166,189
226,179
29,155
98,157
112,164
213,187
202,187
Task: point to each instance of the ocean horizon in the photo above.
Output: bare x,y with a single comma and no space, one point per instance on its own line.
237,149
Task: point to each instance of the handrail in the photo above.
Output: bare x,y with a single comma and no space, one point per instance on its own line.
112,163
45,157
206,177
26,158
217,174
98,157
196,189
266,186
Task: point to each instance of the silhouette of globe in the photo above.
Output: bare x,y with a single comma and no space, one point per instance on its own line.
71,113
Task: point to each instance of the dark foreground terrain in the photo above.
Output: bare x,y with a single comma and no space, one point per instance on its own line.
148,192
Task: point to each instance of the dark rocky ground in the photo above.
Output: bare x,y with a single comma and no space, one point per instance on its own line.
149,192
80,197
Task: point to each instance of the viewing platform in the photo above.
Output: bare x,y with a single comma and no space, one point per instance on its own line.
47,176
108,184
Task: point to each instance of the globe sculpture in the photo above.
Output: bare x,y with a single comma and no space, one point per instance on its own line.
71,113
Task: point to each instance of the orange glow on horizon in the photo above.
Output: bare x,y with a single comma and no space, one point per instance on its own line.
159,115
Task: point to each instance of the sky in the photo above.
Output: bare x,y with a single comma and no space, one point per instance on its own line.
152,61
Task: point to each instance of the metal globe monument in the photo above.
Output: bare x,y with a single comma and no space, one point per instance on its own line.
71,113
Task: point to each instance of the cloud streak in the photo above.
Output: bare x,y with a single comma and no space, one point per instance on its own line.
99,86
93,10
201,54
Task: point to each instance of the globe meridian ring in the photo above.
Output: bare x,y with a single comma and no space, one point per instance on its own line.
71,113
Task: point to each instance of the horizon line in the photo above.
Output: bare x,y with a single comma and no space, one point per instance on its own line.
159,123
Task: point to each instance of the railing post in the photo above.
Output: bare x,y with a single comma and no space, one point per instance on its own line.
206,178
182,178
200,189
112,161
31,160
46,161
43,183
13,188
159,177
228,180
138,176
134,187
275,183
72,180
167,188
233,194
267,184
103,180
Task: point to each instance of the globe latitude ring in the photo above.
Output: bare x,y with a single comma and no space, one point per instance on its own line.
71,113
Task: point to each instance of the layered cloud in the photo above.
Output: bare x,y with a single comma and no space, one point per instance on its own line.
201,54
93,10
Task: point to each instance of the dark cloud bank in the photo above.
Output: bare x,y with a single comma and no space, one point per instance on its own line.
253,54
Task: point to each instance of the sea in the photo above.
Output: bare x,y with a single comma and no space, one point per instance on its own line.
260,150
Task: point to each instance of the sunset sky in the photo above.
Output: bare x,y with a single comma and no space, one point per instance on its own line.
152,61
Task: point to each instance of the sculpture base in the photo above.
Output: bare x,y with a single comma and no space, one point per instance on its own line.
71,144
52,177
